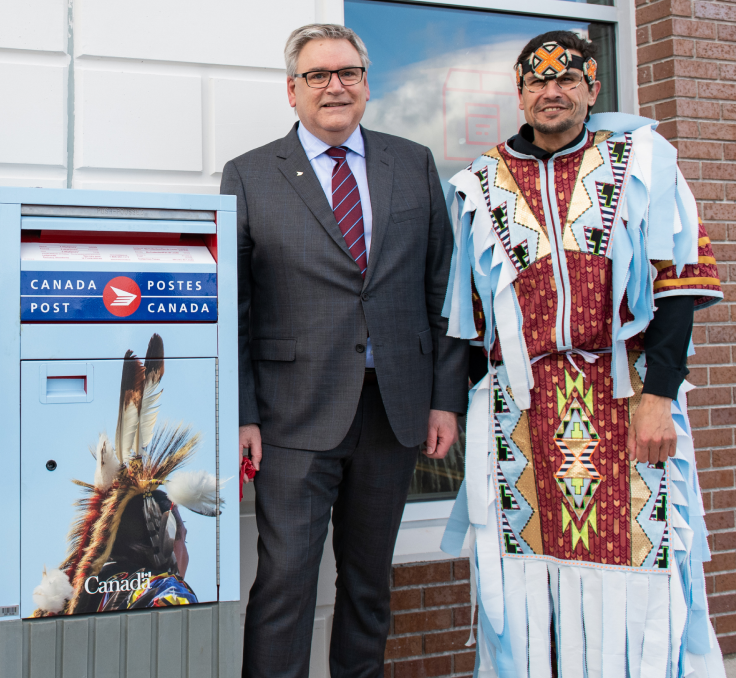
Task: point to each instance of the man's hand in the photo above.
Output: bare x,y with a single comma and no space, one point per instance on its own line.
250,437
652,436
441,434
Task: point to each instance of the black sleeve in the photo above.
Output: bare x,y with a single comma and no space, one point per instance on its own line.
666,341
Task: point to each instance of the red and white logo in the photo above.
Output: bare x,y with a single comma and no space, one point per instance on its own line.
122,296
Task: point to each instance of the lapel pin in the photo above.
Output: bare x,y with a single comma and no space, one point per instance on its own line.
299,173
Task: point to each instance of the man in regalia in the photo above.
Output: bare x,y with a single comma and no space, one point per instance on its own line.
579,260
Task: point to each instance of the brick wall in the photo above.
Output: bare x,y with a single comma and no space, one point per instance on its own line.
430,623
687,80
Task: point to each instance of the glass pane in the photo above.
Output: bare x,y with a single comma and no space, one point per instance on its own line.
443,77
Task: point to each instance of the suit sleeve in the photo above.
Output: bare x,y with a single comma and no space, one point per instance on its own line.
232,184
450,385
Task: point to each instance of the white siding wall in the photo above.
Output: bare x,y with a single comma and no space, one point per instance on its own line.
158,96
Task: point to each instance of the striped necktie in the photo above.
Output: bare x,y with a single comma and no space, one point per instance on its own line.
347,208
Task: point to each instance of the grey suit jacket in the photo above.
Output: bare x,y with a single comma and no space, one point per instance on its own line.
305,312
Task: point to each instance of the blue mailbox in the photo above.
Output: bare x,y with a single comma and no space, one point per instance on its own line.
118,406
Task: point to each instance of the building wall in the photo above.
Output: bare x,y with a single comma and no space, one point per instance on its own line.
687,80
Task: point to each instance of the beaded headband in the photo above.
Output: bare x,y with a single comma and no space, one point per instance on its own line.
551,61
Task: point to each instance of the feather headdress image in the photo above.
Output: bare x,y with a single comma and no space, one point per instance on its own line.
126,545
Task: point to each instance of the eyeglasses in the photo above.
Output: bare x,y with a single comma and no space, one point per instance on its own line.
567,82
321,79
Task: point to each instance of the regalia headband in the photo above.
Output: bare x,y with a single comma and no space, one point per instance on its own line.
551,61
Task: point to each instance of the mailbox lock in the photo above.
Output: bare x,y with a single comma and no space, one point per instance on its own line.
51,465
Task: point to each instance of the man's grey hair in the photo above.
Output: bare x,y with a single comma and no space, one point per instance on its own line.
301,36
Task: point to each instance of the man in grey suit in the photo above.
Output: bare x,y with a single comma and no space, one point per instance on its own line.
344,248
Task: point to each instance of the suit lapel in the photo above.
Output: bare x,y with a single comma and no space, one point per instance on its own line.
298,171
380,169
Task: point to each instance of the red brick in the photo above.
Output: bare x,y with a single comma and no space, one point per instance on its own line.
713,437
445,641
710,480
716,90
406,599
729,290
461,616
698,375
718,130
720,562
644,75
660,10
722,334
712,314
709,396
676,87
724,171
726,32
699,335
712,355
706,190
461,570
725,623
728,644
720,520
706,150
415,622
723,416
457,594
718,231
690,170
464,661
724,541
427,667
403,646
712,10
684,68
642,35
724,499
699,418
431,573
646,111
683,27
702,459
724,457
707,501
722,375
387,670
715,50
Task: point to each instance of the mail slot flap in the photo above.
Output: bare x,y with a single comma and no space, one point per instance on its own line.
116,212
116,225
66,382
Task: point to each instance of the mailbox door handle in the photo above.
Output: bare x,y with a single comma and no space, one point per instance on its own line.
63,382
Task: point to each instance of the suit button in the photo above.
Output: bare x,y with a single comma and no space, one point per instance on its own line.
360,348
365,296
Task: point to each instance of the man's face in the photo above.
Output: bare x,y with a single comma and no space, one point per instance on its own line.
335,110
554,110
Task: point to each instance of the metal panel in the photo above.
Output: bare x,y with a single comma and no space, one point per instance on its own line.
42,650
93,342
107,640
118,225
10,407
75,643
116,199
11,649
106,213
228,407
170,654
229,640
199,643
138,649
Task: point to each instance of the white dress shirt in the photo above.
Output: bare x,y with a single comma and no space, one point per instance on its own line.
323,164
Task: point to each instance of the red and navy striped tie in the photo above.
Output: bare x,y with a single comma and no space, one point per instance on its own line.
346,206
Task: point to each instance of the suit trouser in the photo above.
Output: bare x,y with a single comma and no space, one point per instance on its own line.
365,481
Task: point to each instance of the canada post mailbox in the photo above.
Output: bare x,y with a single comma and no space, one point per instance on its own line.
118,406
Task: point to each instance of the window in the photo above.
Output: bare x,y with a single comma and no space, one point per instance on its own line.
443,77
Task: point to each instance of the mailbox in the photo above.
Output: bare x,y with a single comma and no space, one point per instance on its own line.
118,406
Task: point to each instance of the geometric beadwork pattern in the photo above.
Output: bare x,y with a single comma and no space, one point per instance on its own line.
591,504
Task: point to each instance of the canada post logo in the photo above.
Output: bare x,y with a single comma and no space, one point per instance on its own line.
122,296
70,296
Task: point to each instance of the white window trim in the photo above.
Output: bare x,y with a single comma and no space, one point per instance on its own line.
423,522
